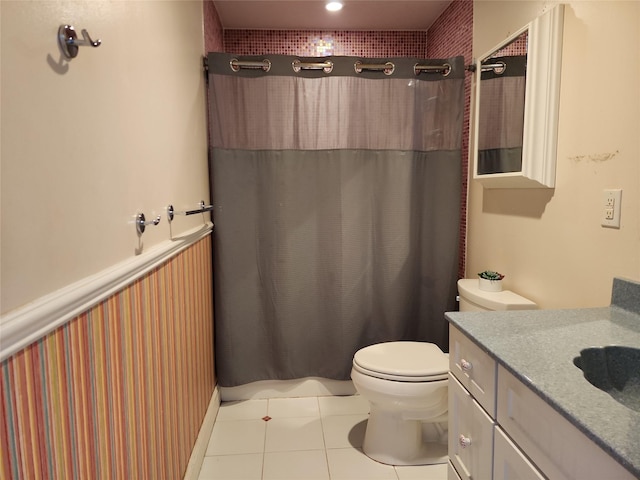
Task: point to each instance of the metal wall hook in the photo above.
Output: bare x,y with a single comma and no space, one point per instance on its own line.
141,222
69,43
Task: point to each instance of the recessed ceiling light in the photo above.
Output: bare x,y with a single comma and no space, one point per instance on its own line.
333,6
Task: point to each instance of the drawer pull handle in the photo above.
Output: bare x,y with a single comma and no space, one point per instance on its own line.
465,365
464,441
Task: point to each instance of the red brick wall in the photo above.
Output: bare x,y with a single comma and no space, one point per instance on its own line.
452,35
309,43
213,33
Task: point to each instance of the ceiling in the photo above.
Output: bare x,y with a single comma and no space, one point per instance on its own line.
311,14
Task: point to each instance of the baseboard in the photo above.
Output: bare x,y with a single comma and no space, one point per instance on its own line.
200,448
303,387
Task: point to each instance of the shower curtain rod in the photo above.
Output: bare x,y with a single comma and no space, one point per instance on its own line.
327,66
497,68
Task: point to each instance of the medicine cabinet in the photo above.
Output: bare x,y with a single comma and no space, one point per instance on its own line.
516,117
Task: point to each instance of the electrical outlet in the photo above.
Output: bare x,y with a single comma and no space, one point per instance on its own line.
608,213
611,203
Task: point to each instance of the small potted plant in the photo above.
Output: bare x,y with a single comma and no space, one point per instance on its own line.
490,281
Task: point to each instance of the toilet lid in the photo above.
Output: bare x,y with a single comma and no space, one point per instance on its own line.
403,361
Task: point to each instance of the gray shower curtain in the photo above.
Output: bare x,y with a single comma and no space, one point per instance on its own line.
337,199
501,115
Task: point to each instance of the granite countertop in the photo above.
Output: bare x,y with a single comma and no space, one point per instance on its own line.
538,347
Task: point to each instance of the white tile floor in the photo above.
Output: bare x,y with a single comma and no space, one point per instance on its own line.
306,438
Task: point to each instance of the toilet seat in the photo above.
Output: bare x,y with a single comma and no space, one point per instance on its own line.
402,362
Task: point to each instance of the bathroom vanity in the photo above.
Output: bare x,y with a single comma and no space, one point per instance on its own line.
520,408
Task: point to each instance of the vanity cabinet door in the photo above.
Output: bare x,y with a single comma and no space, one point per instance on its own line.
474,368
509,463
451,472
557,447
470,434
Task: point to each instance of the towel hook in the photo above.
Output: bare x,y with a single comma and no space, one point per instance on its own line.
69,43
141,222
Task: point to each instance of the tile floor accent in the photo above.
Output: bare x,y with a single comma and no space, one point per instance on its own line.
298,439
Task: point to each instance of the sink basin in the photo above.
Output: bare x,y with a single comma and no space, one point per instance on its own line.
615,370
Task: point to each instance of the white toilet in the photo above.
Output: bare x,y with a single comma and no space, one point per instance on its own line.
406,386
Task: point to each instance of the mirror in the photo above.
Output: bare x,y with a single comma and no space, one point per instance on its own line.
501,108
517,96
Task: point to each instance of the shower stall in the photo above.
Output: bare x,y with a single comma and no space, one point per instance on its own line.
336,187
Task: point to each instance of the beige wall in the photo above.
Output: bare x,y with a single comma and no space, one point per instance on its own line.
121,128
88,143
550,243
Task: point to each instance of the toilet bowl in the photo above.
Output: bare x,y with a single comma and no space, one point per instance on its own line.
405,384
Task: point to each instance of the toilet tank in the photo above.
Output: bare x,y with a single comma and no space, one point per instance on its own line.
472,299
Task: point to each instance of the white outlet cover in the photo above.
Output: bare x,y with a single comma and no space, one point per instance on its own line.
611,205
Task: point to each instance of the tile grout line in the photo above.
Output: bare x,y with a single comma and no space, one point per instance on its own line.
264,442
324,439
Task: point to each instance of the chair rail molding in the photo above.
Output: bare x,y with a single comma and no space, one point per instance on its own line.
25,325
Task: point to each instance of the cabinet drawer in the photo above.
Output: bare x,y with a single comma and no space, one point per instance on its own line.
470,434
558,449
509,463
474,368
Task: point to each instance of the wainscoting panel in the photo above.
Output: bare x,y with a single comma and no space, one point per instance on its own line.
121,390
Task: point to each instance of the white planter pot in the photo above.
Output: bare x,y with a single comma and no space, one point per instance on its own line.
490,285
